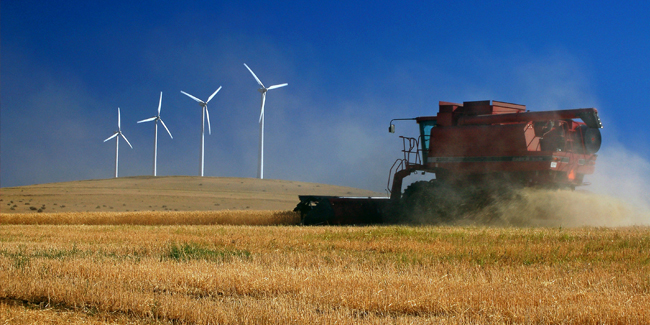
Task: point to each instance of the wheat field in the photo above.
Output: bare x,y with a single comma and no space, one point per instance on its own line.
160,218
158,273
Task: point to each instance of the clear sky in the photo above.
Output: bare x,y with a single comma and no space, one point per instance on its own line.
351,67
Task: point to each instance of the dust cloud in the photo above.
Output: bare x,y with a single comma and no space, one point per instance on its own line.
618,195
562,208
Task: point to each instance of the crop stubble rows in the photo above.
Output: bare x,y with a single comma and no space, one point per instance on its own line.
288,274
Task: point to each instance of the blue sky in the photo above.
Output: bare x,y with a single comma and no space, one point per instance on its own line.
351,67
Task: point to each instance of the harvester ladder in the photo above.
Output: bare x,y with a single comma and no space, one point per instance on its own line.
411,157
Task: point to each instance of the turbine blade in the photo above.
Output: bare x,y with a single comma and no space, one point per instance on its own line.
118,118
127,141
210,98
276,86
112,136
148,120
253,73
163,124
207,114
262,109
190,96
160,103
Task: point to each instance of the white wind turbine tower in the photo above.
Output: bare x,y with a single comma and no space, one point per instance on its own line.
263,90
155,140
204,105
117,136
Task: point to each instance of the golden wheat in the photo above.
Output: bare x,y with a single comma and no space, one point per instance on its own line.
229,217
349,275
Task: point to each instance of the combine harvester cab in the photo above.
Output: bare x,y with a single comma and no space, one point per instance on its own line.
477,151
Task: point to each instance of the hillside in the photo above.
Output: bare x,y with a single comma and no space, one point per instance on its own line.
175,193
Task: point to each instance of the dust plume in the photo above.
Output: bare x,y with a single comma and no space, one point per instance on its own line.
624,174
526,207
561,208
618,196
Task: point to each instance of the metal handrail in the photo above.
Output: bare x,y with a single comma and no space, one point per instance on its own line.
399,167
405,163
413,143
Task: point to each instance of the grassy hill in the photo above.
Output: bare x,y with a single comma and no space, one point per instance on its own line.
169,193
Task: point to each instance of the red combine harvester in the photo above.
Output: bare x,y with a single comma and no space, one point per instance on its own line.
478,151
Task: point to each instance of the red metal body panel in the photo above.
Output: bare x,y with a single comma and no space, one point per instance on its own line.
481,138
529,116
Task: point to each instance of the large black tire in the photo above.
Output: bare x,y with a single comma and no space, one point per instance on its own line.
437,202
431,202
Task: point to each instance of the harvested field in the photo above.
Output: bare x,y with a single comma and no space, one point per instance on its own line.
231,255
349,275
150,218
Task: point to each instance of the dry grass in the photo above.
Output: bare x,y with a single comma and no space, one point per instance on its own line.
164,193
150,218
16,312
348,275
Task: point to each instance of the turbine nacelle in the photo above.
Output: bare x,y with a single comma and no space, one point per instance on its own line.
158,118
204,105
119,130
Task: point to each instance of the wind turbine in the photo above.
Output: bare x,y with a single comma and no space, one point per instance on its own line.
155,139
204,105
263,90
117,136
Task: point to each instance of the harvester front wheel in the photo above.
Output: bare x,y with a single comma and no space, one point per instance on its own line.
430,202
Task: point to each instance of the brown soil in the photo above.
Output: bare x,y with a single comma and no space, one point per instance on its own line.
175,193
